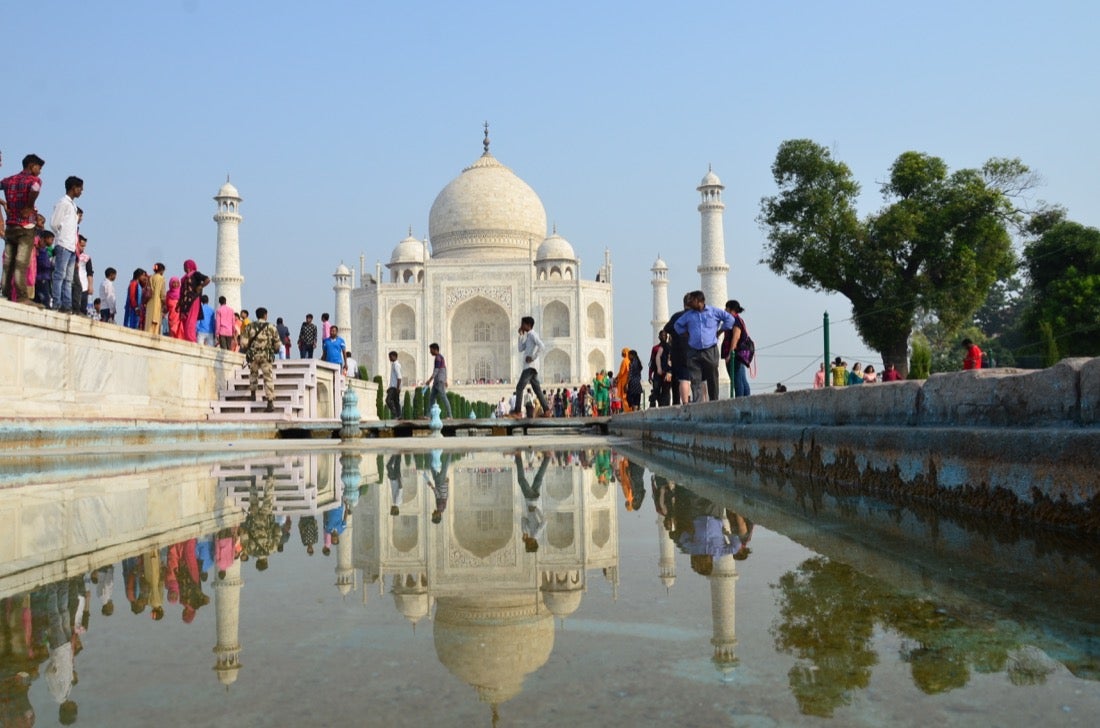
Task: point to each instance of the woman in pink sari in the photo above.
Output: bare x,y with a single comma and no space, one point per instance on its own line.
172,304
191,286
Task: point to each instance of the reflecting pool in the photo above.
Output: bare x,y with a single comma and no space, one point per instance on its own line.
561,587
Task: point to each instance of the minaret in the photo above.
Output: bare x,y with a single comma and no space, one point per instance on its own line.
712,265
342,287
227,606
227,272
723,598
660,296
666,562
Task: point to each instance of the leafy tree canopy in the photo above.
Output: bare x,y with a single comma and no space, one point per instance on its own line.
936,247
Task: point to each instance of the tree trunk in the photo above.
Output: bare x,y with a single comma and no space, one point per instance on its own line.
898,355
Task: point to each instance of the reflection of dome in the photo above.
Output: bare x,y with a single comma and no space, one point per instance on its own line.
562,591
486,210
555,247
409,250
412,606
228,190
493,642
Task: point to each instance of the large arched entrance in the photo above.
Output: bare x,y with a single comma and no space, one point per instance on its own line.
480,342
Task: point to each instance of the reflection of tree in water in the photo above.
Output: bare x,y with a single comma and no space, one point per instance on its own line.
827,616
826,620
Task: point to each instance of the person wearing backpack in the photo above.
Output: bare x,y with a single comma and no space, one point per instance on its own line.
259,342
738,350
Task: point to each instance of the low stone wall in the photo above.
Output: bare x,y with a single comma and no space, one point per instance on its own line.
60,366
1020,444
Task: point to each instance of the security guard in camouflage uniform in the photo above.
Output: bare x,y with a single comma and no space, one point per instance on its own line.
259,342
261,533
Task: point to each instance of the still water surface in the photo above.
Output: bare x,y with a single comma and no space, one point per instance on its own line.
582,587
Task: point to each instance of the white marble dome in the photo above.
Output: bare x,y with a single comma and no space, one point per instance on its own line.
342,270
228,190
409,250
659,264
555,247
486,212
711,180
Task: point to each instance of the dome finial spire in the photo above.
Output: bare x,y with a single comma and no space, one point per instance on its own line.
410,231
485,143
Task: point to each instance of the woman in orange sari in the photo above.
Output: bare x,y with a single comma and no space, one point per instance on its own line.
621,380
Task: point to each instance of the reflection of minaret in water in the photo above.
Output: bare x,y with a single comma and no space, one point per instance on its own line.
723,583
666,563
345,569
227,605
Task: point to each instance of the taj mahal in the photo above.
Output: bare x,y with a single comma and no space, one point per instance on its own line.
489,259
487,262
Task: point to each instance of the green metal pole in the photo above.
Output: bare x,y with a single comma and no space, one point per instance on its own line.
828,369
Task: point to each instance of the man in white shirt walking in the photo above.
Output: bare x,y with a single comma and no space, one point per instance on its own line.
393,391
530,347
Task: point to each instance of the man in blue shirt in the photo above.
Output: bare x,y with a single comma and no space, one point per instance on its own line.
333,348
204,329
702,324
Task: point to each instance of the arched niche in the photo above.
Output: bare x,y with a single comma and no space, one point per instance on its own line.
556,367
597,322
402,323
555,320
596,362
481,341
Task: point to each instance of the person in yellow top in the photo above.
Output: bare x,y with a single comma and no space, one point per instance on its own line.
840,373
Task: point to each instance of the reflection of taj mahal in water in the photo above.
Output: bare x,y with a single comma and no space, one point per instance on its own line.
490,602
489,596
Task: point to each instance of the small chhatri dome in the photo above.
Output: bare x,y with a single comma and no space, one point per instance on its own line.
659,264
409,250
711,179
228,190
555,247
342,270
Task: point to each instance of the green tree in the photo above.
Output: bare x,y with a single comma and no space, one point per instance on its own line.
380,399
406,406
1064,266
936,248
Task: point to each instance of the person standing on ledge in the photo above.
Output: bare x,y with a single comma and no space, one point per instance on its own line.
307,338
334,349
393,391
259,342
973,358
702,323
438,380
20,193
530,348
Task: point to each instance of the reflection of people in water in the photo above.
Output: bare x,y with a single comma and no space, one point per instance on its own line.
532,522
59,673
226,548
260,534
307,531
633,492
104,580
393,473
706,530
602,466
184,579
335,522
439,483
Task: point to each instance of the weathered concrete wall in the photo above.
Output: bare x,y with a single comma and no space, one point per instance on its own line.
1002,442
60,366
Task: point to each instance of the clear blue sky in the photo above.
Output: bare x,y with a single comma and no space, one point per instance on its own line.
340,122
